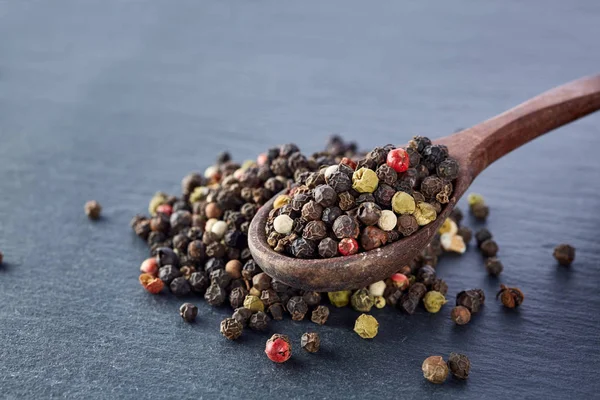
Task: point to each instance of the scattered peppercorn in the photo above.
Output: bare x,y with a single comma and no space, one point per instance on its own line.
278,348
310,342
489,248
151,284
231,328
434,301
320,315
366,326
297,307
493,266
93,209
471,299
435,369
480,211
361,301
564,254
188,312
510,297
459,365
460,315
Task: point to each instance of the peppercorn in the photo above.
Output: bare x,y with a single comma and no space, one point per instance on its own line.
338,180
465,233
564,254
346,201
328,248
366,326
93,209
456,215
220,277
199,282
215,295
330,214
440,285
472,299
448,169
449,226
454,243
188,312
278,348
259,321
419,143
325,195
231,328
460,315
242,315
434,301
426,274
384,194
160,223
166,256
489,248
297,307
398,159
303,248
361,301
386,174
312,298
403,203
180,286
433,155
312,211
340,298
372,238
276,311
480,211
348,247
345,227
407,224
320,315
377,289
261,281
435,369
283,224
364,180
310,342
424,213
149,266
431,186
237,297
151,284
315,230
253,303
459,365
475,198
369,213
510,297
168,273
482,235
493,266
213,264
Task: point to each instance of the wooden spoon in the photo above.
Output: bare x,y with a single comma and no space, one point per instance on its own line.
474,148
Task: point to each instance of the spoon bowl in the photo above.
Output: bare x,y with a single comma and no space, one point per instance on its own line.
474,149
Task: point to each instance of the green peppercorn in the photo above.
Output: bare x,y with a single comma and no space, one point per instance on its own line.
364,180
424,213
158,199
339,299
366,326
434,301
403,203
253,303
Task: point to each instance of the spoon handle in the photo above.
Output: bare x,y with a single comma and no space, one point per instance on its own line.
481,145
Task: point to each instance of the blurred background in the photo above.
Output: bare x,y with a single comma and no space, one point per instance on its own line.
114,100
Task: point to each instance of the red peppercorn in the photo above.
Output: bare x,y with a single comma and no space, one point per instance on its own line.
164,209
398,160
348,246
348,162
278,348
262,159
401,281
151,283
149,266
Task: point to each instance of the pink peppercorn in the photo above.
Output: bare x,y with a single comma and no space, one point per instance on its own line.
348,162
149,266
400,281
262,159
398,159
278,348
348,246
164,209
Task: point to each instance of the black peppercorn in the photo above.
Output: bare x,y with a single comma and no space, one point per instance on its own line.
231,328
325,195
216,250
433,155
168,273
414,157
320,315
426,274
312,211
493,266
279,286
459,365
180,220
215,295
261,281
220,277
448,169
310,342
303,248
482,235
383,194
419,143
471,299
456,215
276,310
312,298
237,296
199,282
345,227
180,286
328,248
407,224
93,209
330,214
297,307
372,238
315,230
166,256
480,211
439,285
213,264
387,174
408,304
339,181
465,233
160,223
564,254
489,248
259,321
188,312
242,315
431,186
369,213
269,297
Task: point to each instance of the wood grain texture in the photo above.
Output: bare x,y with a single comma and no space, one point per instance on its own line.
474,148
113,100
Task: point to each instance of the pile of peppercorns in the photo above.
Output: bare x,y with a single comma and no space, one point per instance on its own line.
364,203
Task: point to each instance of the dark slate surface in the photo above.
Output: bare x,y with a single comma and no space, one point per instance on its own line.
113,100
